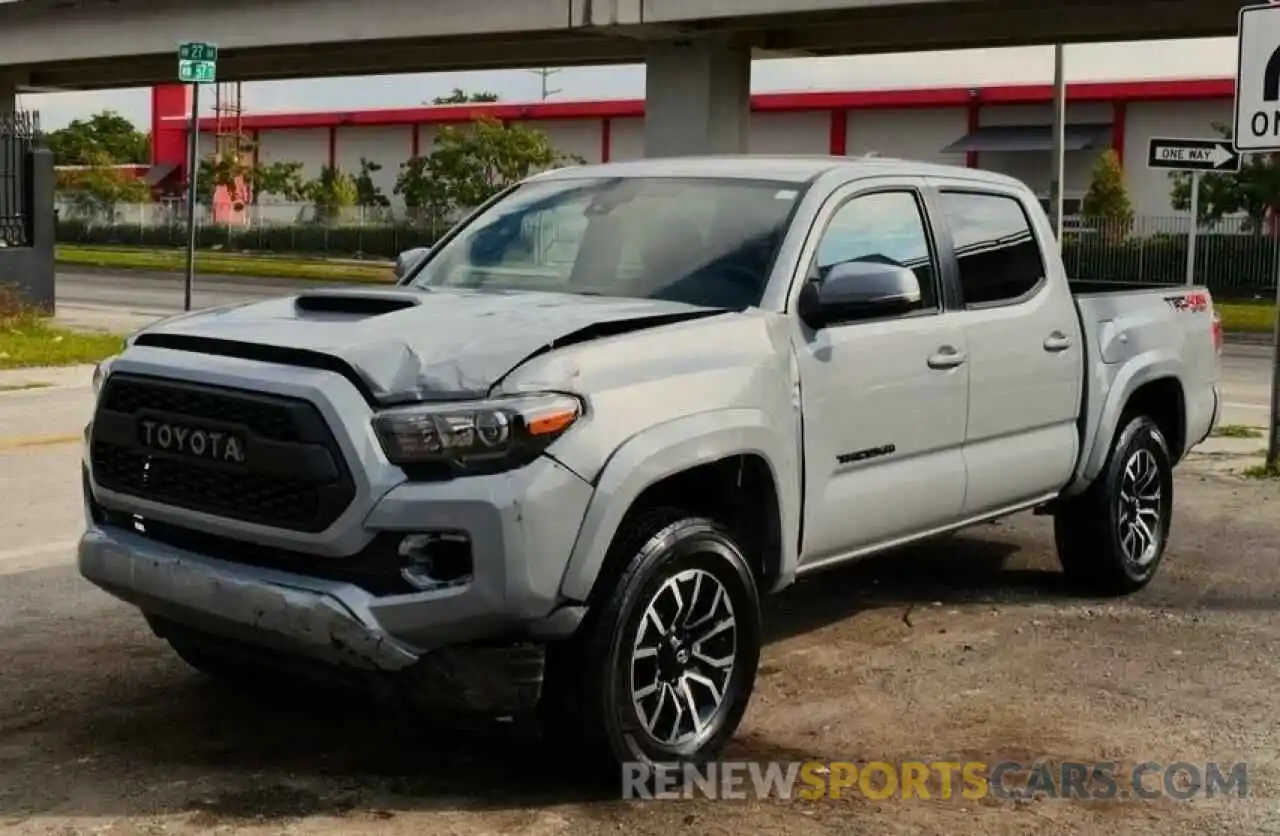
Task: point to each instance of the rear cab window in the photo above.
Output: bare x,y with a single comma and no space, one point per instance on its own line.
996,250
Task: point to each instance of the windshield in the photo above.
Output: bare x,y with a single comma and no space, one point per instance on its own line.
703,241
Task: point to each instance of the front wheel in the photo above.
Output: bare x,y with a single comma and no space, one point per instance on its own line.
1112,538
663,669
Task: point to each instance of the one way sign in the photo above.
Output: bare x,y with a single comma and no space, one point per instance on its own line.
1193,155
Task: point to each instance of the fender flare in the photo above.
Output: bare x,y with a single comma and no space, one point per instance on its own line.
670,448
1136,373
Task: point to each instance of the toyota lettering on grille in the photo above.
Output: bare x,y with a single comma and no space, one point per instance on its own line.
196,443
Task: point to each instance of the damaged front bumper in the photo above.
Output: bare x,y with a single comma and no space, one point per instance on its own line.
269,616
288,613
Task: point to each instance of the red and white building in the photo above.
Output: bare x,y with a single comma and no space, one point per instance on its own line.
1003,128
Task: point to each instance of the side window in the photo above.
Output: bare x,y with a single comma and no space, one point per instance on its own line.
887,227
998,255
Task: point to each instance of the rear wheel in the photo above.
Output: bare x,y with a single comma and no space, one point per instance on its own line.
663,670
1111,539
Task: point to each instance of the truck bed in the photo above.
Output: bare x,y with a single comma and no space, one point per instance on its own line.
1138,333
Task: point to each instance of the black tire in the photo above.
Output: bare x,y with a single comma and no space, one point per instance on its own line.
588,710
1095,532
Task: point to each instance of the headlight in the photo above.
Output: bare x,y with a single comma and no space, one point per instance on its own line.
485,436
100,372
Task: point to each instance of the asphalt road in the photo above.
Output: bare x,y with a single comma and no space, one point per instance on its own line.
123,301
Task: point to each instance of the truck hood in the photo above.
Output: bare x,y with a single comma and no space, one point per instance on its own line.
401,345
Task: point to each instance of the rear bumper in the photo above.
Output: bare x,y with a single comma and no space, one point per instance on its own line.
1214,419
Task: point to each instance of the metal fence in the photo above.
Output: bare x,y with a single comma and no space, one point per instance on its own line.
18,133
1235,255
252,216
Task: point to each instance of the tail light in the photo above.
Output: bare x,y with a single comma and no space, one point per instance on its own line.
1217,333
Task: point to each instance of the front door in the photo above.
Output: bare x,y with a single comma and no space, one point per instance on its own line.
885,399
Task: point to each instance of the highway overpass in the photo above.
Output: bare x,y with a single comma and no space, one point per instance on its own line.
697,51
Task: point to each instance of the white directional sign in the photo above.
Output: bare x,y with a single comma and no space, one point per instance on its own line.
1257,120
1192,154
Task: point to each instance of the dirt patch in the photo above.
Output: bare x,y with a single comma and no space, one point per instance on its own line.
969,648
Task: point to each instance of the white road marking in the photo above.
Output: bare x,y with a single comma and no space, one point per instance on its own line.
1257,406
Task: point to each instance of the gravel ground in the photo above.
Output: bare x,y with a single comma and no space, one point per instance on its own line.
964,649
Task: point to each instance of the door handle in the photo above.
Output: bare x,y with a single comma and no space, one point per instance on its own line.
947,357
1057,341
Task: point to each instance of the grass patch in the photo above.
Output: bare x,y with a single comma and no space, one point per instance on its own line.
1237,431
23,387
27,339
1261,471
1247,317
222,264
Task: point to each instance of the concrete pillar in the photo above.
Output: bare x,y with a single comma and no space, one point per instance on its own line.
697,99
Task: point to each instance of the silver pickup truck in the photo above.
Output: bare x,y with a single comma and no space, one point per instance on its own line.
556,465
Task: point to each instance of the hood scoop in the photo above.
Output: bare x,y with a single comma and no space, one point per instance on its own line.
355,303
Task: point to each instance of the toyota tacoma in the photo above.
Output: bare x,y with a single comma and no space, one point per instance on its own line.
555,466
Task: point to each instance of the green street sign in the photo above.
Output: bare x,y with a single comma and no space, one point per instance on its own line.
197,63
197,72
197,51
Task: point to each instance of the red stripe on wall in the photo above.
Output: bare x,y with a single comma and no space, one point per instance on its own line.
606,139
1142,91
839,136
1119,115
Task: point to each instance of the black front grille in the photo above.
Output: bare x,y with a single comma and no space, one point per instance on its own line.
294,478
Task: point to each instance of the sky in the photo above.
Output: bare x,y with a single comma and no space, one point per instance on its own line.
1209,57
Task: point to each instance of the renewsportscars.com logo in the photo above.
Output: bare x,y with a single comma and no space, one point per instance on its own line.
935,780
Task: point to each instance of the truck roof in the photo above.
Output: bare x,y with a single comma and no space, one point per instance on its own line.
798,168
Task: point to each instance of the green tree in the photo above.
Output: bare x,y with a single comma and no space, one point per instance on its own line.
368,193
96,191
1106,203
103,136
283,179
459,96
330,193
470,164
232,171
1253,191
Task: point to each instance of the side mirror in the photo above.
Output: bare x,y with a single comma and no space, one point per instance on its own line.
858,290
409,259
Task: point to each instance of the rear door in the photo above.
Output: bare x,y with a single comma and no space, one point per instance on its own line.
884,400
1024,341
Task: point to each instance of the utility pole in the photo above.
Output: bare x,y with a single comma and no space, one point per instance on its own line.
1059,127
546,74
